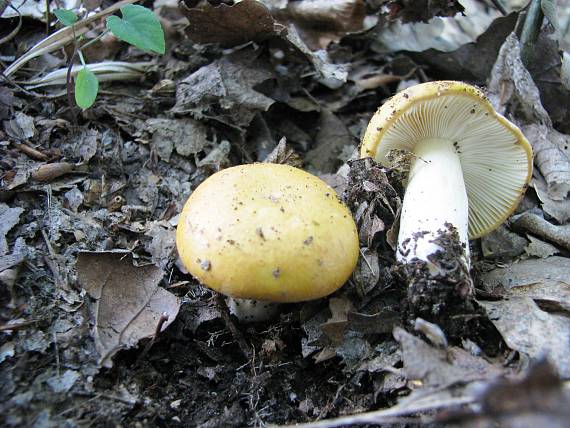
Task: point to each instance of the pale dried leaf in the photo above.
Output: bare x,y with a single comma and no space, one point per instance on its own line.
438,368
511,85
538,248
532,223
9,217
559,210
284,154
528,329
547,281
22,127
331,75
128,301
552,158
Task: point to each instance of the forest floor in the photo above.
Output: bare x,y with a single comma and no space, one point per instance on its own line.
101,325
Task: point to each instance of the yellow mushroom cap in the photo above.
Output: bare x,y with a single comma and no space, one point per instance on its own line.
495,156
267,232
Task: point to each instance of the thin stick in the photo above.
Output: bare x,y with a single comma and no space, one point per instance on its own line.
499,7
225,312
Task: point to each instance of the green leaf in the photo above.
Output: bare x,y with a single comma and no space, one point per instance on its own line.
139,27
86,88
65,16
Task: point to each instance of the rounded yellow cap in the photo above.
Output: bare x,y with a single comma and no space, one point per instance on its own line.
267,232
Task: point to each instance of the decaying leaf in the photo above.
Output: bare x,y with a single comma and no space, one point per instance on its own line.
528,329
332,138
323,21
535,224
248,20
422,10
538,399
539,248
559,210
283,154
331,75
502,244
471,61
128,303
437,368
228,83
186,135
547,281
9,217
22,127
552,157
511,85
439,34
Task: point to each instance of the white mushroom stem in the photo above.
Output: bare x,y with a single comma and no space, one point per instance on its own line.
435,195
247,310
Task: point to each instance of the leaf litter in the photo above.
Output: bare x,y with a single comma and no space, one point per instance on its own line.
100,324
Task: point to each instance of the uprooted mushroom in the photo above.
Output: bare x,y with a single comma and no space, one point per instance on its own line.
470,167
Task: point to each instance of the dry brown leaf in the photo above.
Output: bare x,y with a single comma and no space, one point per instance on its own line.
321,22
547,281
332,138
539,399
128,301
9,217
248,20
530,330
438,368
535,224
560,210
335,326
511,85
552,158
284,154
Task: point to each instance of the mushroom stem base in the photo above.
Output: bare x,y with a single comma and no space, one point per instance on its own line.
247,310
435,199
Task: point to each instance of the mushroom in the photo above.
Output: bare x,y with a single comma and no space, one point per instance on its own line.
469,165
268,233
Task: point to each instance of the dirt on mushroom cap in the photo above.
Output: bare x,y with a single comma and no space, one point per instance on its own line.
267,232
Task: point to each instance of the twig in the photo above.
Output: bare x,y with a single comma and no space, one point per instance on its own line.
225,312
498,5
47,17
163,318
16,30
386,416
18,326
530,30
30,151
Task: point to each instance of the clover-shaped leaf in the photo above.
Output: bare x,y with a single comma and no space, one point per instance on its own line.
140,27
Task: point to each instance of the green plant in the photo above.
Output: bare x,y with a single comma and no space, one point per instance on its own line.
138,26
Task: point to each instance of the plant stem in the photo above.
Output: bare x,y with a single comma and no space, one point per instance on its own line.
81,57
499,6
68,83
47,17
531,28
96,39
